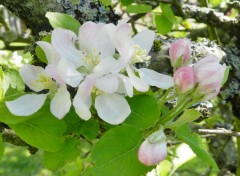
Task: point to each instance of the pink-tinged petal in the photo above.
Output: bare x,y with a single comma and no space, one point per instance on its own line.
53,72
123,21
103,41
178,49
68,73
210,59
50,53
61,103
151,154
185,79
87,35
125,85
145,39
108,83
27,104
138,83
112,108
63,42
154,78
82,106
85,87
124,44
31,76
106,65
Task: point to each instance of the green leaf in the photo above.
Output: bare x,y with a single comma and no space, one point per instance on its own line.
1,82
43,131
12,78
163,24
63,21
89,129
126,2
39,51
184,134
1,147
116,153
189,115
226,74
106,2
139,8
68,152
168,13
145,111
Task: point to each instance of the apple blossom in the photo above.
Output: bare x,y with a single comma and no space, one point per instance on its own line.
135,50
37,79
179,52
154,149
209,74
185,79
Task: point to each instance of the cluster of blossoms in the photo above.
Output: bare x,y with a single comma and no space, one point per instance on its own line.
99,63
201,81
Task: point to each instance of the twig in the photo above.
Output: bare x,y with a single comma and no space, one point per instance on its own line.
218,132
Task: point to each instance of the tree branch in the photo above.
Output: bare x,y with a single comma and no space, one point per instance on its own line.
221,131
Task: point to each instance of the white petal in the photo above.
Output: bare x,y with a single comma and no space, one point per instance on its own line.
31,76
63,41
103,41
87,35
82,106
27,104
52,71
112,108
69,73
138,84
145,39
108,83
125,85
85,88
61,103
106,65
124,43
50,53
154,78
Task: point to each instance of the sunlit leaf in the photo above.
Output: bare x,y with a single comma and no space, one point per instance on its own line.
144,111
64,21
68,152
184,134
139,8
43,131
39,51
163,24
116,153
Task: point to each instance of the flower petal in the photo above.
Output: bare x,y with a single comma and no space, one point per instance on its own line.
152,153
145,39
87,35
125,86
112,108
31,75
138,83
61,103
82,106
154,78
50,53
52,71
27,104
106,65
108,83
103,41
69,73
63,41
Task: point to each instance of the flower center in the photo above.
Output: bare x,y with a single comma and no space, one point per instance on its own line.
91,60
140,55
45,82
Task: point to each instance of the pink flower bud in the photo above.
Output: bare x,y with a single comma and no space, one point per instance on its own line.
152,152
184,78
179,52
210,74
